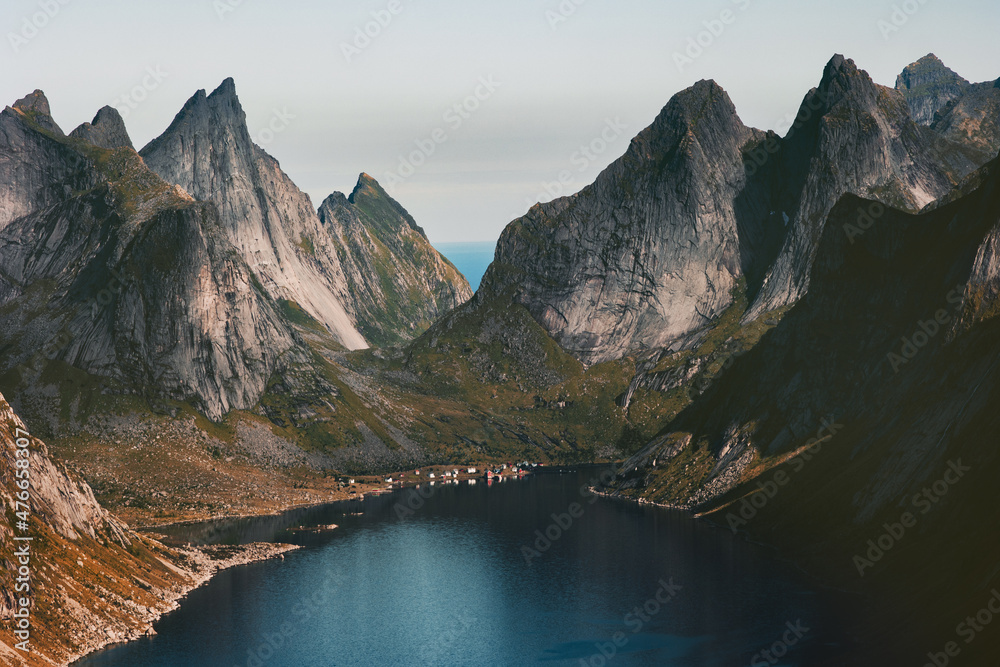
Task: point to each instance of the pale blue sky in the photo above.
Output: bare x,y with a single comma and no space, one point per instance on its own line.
560,83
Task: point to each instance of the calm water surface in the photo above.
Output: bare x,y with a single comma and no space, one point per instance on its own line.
472,259
451,583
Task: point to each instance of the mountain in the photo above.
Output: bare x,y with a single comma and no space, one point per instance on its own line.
702,209
928,86
107,130
966,114
208,152
651,251
398,284
113,271
877,384
334,269
973,119
852,136
92,581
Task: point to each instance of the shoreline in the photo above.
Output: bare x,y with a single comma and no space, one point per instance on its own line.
209,561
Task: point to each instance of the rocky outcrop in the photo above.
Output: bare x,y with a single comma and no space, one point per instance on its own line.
33,173
208,152
973,120
107,130
701,205
852,136
398,284
91,580
128,278
928,86
652,250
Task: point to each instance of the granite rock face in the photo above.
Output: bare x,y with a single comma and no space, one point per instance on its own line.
35,174
398,284
208,152
113,271
928,86
700,205
973,120
652,250
107,130
856,137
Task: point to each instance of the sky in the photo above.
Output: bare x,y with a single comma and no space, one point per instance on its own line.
467,112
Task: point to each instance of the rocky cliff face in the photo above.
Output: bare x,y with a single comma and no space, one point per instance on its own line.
208,152
398,284
91,580
651,253
652,250
928,86
973,120
107,130
852,136
865,394
113,271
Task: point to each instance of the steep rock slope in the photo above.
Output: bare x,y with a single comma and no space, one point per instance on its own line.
107,130
852,136
864,396
928,86
127,277
91,580
207,151
398,284
973,120
651,251
702,208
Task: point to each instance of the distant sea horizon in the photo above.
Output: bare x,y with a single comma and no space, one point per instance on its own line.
472,258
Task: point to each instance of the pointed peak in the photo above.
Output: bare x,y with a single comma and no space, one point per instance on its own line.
226,89
927,70
368,186
34,102
838,66
35,106
107,130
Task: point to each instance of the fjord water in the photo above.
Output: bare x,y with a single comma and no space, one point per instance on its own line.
450,583
471,259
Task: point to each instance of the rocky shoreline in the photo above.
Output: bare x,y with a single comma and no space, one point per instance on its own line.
199,564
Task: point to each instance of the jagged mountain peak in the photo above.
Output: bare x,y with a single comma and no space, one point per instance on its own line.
843,78
36,106
397,282
366,186
107,130
928,69
928,86
35,101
